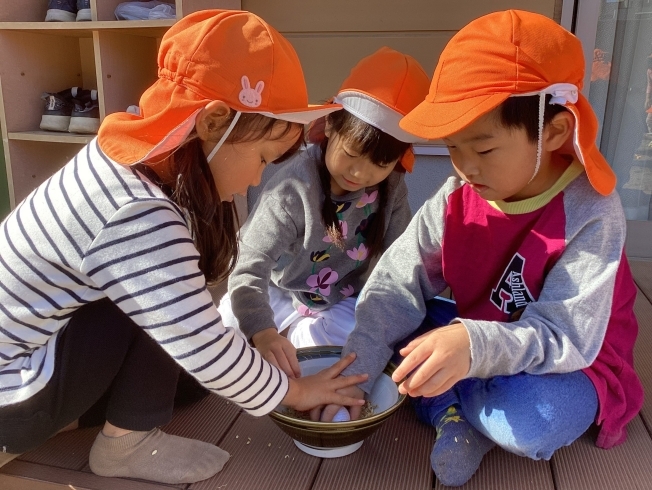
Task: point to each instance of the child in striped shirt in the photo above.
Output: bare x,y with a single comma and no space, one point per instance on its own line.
103,268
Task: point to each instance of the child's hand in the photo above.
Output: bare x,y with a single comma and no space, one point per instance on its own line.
439,359
277,350
326,414
325,387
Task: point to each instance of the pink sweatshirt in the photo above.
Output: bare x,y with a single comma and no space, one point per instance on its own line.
542,286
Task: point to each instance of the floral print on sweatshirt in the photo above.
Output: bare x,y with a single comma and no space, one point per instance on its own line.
321,280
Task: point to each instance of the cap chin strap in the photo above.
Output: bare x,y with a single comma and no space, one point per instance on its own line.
542,110
224,136
561,94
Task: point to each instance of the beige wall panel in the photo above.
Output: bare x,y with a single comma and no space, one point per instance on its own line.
382,15
327,60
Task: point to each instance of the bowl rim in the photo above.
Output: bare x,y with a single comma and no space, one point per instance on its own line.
304,353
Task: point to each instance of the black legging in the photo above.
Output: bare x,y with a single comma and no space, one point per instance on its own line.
100,352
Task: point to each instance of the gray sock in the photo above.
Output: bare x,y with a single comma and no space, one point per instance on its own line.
156,456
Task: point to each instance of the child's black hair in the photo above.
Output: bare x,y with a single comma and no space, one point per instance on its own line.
382,149
523,112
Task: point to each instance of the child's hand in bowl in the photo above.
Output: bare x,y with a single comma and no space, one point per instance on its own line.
277,350
324,388
326,414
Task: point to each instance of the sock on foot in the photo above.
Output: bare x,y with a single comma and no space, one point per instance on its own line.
459,448
156,456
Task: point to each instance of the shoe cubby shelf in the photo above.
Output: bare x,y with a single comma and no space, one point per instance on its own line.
146,28
116,57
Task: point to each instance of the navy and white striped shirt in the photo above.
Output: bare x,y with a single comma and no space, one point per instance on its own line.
98,229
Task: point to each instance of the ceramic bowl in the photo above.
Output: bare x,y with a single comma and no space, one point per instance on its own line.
335,439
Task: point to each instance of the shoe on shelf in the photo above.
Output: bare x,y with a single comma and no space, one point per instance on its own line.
85,115
58,108
61,11
83,10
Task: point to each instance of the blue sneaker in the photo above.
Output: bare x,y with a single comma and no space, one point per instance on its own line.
84,10
61,11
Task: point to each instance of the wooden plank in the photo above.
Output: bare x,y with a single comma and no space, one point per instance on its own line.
583,466
22,475
643,354
207,420
382,15
506,471
262,456
642,272
145,28
67,450
396,456
637,244
51,137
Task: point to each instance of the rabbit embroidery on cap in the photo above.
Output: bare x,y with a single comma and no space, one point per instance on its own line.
248,96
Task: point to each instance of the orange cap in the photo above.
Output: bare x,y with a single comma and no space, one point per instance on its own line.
503,54
227,55
382,88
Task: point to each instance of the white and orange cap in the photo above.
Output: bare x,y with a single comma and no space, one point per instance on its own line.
381,89
509,54
227,55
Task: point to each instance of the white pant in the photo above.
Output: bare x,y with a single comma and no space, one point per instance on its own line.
328,327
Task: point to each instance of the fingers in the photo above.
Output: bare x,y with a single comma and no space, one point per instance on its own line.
329,412
414,344
346,381
429,390
414,359
340,365
346,401
425,371
286,367
293,362
355,411
315,413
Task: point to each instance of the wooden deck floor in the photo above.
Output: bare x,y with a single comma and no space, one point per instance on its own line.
395,457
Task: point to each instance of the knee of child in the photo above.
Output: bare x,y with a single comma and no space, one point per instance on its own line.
537,446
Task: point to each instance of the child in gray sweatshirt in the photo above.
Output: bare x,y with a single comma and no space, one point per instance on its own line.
307,246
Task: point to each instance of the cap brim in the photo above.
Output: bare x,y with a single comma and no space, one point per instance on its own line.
302,116
435,120
374,112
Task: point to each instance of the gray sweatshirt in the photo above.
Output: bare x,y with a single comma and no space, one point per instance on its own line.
541,285
284,242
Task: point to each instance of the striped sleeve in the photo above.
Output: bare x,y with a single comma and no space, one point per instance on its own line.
145,261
